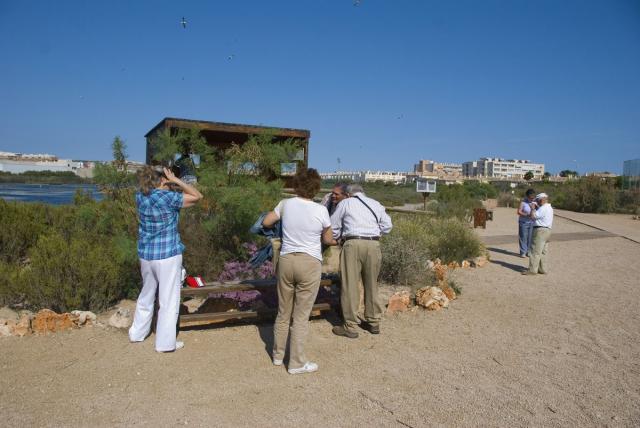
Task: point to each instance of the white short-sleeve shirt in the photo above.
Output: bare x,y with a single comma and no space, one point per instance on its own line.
302,224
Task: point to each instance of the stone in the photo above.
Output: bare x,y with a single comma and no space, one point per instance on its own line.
23,326
192,305
479,262
5,329
85,317
441,272
431,298
465,264
448,291
122,318
399,302
7,313
47,321
453,265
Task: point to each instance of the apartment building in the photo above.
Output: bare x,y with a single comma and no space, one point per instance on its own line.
502,168
431,168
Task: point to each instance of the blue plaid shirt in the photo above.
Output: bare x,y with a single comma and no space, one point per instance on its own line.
158,236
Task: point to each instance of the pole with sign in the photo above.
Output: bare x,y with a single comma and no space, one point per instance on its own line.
426,187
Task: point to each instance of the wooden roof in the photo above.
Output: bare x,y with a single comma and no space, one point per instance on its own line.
204,125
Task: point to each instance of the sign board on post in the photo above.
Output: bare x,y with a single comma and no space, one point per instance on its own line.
426,187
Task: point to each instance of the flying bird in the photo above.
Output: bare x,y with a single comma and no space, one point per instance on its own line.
357,2
230,57
183,22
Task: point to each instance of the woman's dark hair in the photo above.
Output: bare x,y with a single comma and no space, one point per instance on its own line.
149,178
306,183
530,192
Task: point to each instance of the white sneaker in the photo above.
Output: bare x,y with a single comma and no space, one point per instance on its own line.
179,345
309,367
277,362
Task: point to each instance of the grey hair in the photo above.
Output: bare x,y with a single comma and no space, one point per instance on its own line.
342,186
354,188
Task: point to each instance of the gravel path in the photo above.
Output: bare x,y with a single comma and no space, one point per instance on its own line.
561,349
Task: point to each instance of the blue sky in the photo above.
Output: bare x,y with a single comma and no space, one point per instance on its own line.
380,85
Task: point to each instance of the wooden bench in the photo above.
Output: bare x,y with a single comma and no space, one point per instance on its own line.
187,320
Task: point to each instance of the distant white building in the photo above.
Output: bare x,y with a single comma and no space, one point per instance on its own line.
366,176
501,168
17,163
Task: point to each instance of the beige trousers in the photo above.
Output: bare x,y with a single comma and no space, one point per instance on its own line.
298,283
360,260
538,257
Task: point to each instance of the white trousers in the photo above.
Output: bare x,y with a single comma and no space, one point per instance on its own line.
162,275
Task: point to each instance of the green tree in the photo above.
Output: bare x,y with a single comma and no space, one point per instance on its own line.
528,176
112,178
568,173
119,148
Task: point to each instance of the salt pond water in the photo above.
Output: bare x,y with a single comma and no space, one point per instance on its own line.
56,194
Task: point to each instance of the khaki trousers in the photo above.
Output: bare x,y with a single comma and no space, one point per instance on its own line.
360,260
298,283
538,257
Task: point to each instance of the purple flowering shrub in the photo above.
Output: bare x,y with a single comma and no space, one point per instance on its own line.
239,270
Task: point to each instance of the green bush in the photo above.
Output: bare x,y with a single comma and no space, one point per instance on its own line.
591,195
509,200
416,239
405,251
456,201
20,225
64,275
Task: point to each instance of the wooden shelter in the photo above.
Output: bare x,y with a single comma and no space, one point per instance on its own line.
223,135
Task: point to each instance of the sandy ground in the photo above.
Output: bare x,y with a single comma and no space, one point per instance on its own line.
561,349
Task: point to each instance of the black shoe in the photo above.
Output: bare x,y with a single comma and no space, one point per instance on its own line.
340,330
373,329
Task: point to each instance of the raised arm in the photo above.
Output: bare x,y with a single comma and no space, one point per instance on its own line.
270,219
190,195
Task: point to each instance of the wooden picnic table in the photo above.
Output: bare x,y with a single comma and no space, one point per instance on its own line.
245,285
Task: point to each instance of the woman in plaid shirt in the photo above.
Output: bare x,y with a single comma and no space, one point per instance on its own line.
160,251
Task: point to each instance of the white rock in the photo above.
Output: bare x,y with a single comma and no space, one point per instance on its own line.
123,318
84,316
5,330
9,314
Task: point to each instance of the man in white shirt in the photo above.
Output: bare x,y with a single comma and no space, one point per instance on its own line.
359,221
543,221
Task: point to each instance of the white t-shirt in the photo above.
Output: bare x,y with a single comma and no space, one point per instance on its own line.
302,224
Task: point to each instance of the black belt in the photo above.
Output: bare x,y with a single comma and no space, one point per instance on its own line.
540,227
366,238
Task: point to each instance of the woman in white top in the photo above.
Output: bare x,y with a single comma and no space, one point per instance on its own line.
304,223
